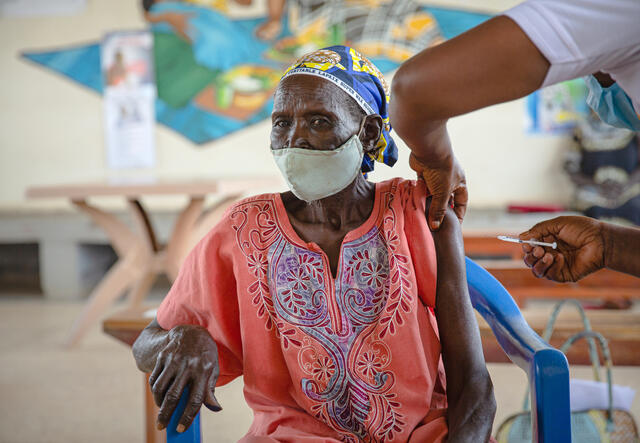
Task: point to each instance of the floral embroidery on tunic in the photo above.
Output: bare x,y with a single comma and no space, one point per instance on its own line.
337,327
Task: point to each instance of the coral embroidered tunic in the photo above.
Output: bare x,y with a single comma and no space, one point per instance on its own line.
355,358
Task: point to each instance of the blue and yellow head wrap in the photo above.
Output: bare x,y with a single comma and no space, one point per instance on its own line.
357,76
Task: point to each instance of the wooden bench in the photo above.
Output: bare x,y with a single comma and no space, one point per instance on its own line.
620,327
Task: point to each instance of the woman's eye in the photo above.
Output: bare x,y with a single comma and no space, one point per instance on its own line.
318,122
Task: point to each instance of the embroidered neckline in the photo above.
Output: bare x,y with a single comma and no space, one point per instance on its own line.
283,222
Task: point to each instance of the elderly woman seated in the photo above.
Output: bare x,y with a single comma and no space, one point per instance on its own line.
342,311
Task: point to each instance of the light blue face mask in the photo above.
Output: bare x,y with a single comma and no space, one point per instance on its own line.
612,105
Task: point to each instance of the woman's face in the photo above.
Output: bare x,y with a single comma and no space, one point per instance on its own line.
311,113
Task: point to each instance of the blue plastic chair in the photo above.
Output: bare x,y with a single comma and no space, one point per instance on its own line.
546,367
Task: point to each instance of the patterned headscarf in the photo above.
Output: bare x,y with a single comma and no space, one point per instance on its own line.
357,76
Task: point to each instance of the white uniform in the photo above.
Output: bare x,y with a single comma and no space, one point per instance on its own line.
581,37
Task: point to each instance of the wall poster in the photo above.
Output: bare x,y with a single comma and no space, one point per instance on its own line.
129,99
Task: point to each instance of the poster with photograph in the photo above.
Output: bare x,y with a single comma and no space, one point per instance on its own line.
129,99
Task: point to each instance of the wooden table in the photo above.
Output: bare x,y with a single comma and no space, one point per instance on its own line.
125,326
140,256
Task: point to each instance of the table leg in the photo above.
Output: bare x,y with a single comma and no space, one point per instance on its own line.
141,288
120,235
139,258
175,250
212,216
135,255
190,227
120,277
143,225
150,245
152,434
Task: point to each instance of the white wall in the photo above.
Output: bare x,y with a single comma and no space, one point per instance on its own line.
51,129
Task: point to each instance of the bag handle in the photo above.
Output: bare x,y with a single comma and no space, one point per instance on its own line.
548,331
606,356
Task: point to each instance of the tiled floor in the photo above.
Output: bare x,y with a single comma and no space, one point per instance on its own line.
93,393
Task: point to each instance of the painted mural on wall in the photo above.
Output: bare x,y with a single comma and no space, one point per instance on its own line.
216,74
557,109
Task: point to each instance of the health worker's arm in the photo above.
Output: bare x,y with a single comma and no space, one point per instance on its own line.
471,403
183,356
492,63
585,245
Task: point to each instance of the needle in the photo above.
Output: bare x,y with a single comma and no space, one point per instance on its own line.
553,245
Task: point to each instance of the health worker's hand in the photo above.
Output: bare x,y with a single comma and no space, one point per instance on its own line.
580,248
445,180
190,358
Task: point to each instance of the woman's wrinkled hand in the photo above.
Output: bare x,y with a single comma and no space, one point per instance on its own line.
189,359
580,248
445,181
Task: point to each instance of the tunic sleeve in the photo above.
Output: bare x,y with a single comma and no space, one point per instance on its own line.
420,240
204,294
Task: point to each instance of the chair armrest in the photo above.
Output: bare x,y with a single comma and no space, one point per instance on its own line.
546,367
193,434
500,311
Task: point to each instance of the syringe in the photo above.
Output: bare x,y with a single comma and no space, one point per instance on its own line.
553,245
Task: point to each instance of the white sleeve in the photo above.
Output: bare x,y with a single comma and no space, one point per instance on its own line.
580,37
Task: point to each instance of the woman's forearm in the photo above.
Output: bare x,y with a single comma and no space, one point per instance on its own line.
470,417
148,345
621,248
